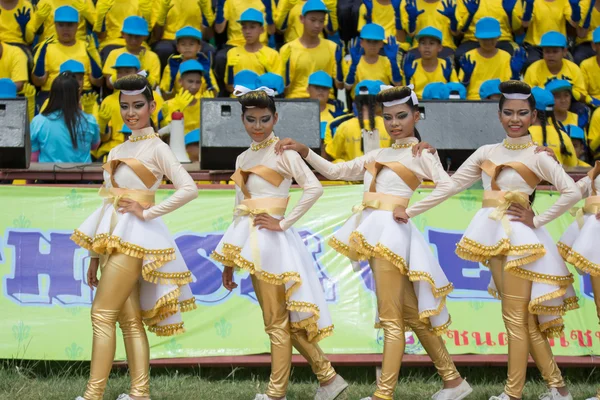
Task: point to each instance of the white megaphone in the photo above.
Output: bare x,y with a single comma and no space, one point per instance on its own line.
177,139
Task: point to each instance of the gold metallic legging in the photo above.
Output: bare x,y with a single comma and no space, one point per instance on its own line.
524,335
398,306
596,289
277,325
118,299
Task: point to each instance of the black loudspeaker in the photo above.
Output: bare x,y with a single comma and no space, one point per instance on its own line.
15,142
224,136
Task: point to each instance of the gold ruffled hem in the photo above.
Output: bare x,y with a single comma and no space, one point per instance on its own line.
577,260
471,250
553,329
359,244
514,268
229,253
167,305
344,249
438,292
222,259
308,324
442,329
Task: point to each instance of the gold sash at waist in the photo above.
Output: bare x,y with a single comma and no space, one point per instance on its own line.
502,201
381,201
591,206
114,195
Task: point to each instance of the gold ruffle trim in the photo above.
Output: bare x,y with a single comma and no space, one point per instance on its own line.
167,305
471,250
553,329
309,324
222,259
514,268
359,244
230,252
579,261
344,249
440,330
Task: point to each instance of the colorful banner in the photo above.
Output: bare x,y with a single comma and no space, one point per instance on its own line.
45,304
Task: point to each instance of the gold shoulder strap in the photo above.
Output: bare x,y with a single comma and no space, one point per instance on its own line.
241,176
524,171
146,176
488,167
404,173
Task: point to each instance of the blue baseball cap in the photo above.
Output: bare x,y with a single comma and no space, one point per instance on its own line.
557,85
320,78
596,35
368,87
125,130
372,32
72,66
458,88
192,137
190,66
489,88
246,78
188,32
135,25
127,60
314,5
272,81
8,89
429,31
487,28
544,100
553,39
66,14
436,91
575,132
252,15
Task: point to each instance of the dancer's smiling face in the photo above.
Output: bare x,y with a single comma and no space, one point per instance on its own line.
259,122
400,120
136,111
516,117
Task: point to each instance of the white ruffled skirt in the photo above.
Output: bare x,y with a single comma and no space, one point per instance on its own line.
374,233
164,289
579,246
279,258
530,254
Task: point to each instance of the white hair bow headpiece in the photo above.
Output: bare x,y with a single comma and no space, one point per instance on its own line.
240,90
413,96
136,92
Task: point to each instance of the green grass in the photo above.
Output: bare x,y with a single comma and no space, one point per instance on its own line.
60,381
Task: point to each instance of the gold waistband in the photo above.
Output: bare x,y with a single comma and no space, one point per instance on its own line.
266,205
497,198
381,201
592,205
144,197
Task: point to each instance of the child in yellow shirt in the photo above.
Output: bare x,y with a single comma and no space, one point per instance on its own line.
385,13
562,91
52,53
190,46
363,133
554,65
488,62
366,63
135,32
591,71
319,86
429,68
579,140
15,28
13,65
590,21
310,53
288,18
46,9
253,55
189,97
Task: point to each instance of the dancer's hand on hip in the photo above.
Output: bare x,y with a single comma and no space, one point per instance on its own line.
228,282
131,206
400,215
265,221
521,214
92,274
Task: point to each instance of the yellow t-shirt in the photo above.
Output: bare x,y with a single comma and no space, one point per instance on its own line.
553,141
233,11
10,31
13,64
187,12
165,81
494,9
538,74
191,116
149,62
591,76
496,67
262,61
572,119
347,141
303,62
594,22
422,78
548,16
56,54
114,21
594,133
381,70
116,122
88,16
382,15
289,11
431,17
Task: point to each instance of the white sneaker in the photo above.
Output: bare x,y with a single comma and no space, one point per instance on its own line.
333,390
503,396
458,393
262,396
79,398
554,395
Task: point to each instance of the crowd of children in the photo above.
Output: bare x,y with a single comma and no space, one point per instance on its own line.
192,50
